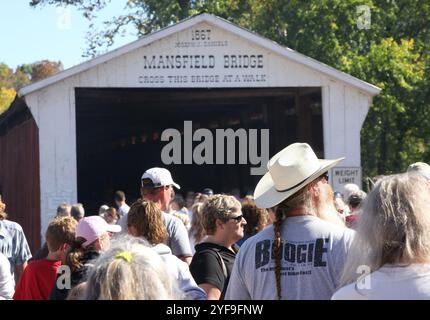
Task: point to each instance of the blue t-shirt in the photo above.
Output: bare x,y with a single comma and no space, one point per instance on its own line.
13,243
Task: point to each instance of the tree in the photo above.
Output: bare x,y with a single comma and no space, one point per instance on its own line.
43,69
396,129
11,81
6,98
7,91
393,54
6,76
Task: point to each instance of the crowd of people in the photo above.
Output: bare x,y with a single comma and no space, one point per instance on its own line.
294,238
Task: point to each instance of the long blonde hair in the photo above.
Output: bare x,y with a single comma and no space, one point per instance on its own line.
197,229
131,270
146,217
394,227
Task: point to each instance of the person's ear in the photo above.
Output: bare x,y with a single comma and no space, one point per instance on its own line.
99,244
313,189
168,191
64,247
219,224
132,230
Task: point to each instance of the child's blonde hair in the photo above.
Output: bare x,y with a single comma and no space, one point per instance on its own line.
60,231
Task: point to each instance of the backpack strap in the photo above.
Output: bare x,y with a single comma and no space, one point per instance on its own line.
224,268
220,260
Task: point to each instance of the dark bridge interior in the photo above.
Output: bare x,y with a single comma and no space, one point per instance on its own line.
119,131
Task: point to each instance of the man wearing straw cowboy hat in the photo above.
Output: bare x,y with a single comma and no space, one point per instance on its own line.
301,255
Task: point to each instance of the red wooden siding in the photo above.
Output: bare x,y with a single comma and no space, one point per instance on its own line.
19,177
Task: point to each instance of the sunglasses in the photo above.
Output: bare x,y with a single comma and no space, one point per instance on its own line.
325,176
237,219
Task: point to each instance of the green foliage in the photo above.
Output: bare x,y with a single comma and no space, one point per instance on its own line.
396,126
6,98
393,54
11,81
8,82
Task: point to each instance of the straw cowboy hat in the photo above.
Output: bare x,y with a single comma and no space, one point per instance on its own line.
289,171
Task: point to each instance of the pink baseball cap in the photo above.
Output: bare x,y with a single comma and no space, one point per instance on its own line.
93,227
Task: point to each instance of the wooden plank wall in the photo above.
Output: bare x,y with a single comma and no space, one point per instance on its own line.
19,178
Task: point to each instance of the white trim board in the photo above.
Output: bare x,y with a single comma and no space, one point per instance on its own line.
220,23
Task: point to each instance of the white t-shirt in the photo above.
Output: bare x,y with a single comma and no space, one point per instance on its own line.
180,271
313,256
192,243
390,282
6,280
123,210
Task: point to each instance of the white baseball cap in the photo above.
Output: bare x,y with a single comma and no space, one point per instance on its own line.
158,177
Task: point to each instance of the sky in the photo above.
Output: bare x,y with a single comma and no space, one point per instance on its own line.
31,34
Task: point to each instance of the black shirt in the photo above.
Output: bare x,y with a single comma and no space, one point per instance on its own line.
76,277
206,266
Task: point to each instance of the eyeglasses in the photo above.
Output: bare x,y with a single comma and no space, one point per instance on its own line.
237,219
